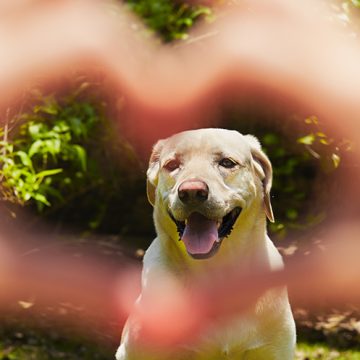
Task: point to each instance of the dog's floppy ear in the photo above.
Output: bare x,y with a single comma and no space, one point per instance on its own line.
263,168
153,171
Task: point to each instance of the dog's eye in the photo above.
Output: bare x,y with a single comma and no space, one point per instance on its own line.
227,163
172,165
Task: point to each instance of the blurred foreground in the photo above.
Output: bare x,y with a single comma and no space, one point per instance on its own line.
294,56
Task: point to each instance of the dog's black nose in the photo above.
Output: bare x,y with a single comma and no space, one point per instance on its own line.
193,191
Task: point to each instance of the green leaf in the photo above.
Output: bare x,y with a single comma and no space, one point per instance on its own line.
325,141
61,127
270,139
35,129
41,198
307,140
54,193
78,127
187,22
292,214
202,10
52,146
312,120
81,155
35,147
49,106
27,196
49,172
321,134
25,159
336,160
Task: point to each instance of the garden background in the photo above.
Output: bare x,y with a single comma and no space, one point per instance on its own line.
67,168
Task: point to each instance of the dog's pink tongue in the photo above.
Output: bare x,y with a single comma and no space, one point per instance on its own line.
200,234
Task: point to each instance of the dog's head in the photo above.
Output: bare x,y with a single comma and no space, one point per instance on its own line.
201,181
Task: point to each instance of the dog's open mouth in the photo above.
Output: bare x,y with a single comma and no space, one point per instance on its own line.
202,236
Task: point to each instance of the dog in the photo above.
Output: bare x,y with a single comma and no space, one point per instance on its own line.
210,188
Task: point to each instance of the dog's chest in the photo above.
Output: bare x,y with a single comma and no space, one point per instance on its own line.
230,339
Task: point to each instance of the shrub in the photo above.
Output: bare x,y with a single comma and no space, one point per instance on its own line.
305,160
65,158
46,159
170,19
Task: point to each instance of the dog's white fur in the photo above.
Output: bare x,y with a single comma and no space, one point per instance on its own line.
267,331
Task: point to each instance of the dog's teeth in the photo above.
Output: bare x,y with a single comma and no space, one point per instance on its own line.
218,224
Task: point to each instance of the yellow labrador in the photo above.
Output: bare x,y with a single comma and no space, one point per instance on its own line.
211,189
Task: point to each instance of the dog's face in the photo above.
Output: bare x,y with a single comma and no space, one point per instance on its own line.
201,181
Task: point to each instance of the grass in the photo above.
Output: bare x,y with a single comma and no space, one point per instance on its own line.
51,350
31,352
35,352
306,351
18,344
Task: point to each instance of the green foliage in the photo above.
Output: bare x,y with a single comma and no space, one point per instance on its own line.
66,158
293,174
305,160
323,147
63,156
23,340
308,351
170,19
299,167
46,156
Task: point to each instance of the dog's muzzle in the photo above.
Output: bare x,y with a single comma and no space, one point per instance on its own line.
203,236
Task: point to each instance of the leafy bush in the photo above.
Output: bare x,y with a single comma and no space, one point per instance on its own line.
305,161
66,158
46,158
299,168
170,19
63,156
